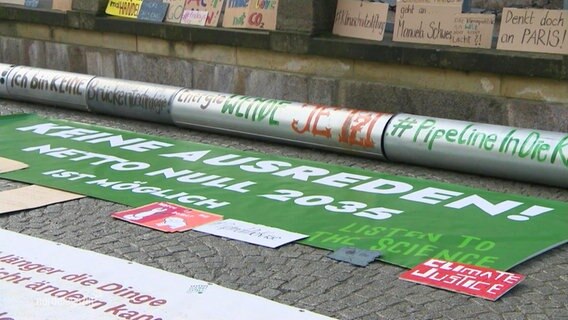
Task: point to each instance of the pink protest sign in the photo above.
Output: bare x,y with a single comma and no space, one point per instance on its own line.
167,217
472,280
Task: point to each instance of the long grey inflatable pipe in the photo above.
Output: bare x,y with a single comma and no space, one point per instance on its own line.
520,154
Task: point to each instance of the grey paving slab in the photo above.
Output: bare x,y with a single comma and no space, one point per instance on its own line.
294,274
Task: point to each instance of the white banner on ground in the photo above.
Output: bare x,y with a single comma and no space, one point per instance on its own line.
250,232
40,279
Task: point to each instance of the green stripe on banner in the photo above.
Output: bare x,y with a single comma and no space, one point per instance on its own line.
408,220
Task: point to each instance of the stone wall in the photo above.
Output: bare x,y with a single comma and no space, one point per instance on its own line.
354,84
510,88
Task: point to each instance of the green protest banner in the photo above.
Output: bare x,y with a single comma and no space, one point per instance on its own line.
408,220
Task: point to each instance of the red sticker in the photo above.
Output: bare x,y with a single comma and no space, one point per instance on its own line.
472,280
167,217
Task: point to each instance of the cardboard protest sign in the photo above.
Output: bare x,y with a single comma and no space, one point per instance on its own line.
194,17
195,5
124,8
39,4
262,14
175,10
359,19
236,14
534,30
251,14
167,217
408,220
211,9
31,3
31,197
153,10
62,282
7,165
423,23
473,30
62,5
16,2
214,8
251,233
489,284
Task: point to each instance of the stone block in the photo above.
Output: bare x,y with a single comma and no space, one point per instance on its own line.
294,15
34,53
11,50
101,62
183,50
33,31
210,77
81,20
538,115
58,56
436,103
372,96
154,69
152,46
323,91
8,29
430,78
65,57
214,53
290,42
93,6
275,85
309,16
22,52
535,89
303,64
78,37
205,52
119,41
457,105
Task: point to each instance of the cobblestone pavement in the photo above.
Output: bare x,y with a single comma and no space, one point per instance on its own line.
296,275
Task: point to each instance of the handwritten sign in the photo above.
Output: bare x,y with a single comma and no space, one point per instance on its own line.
358,19
473,30
124,8
41,4
424,23
194,17
195,5
175,10
475,281
236,14
257,14
261,14
534,30
250,232
31,3
214,8
153,10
